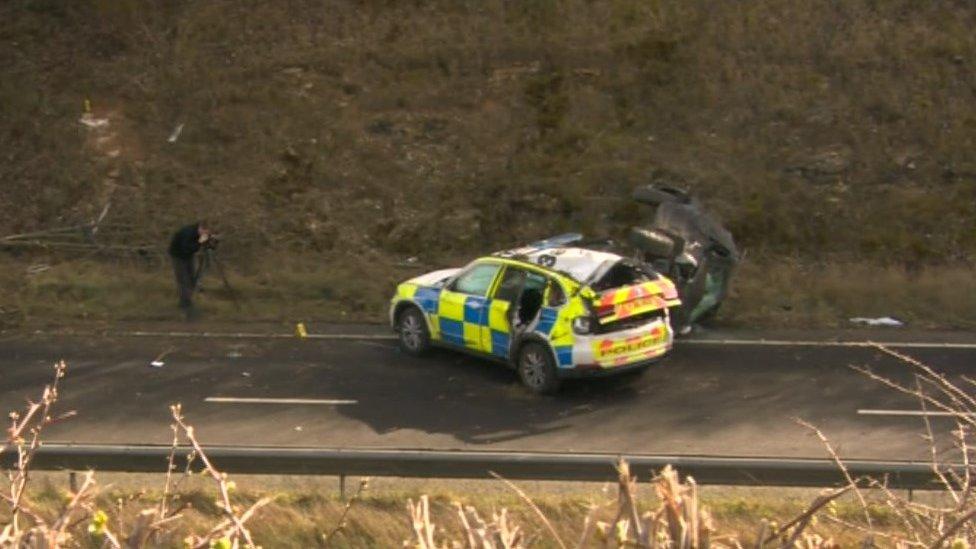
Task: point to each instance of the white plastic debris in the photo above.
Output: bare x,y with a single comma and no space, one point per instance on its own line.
176,133
880,321
158,361
38,268
246,374
92,122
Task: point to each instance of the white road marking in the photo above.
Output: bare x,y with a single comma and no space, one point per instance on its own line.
255,335
383,346
813,343
913,413
240,400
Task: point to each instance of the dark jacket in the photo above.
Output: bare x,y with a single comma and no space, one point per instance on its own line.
186,242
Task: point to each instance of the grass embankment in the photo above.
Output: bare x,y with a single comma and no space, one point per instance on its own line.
324,137
340,289
306,509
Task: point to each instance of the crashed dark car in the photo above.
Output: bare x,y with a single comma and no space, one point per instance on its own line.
690,247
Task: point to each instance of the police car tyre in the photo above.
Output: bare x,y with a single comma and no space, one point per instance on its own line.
412,334
537,369
652,242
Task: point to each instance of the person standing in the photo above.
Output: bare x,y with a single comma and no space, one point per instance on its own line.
183,248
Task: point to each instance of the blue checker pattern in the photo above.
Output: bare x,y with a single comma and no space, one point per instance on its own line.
564,354
547,319
428,298
476,310
500,343
452,331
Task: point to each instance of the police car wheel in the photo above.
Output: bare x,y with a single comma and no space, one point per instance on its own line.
536,369
412,333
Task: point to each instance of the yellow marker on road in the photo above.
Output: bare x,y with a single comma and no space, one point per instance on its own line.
300,331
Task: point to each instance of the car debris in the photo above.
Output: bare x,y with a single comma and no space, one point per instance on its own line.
176,133
689,246
880,321
90,121
158,361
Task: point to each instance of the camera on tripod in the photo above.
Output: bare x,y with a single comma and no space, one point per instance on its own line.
211,243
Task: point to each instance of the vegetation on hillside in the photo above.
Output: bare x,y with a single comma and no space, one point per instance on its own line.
325,130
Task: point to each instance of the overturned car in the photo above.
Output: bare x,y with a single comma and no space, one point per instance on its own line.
690,246
550,310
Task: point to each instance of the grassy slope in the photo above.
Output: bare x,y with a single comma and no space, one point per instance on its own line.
329,139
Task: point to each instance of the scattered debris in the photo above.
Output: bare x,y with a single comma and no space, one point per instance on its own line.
299,428
38,268
90,121
300,331
880,321
176,133
246,374
158,361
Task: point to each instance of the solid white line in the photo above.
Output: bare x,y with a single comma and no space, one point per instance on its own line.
239,400
812,343
918,413
253,335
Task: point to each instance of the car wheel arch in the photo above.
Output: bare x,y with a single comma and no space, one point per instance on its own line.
406,305
522,340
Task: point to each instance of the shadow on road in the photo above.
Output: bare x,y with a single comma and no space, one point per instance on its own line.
474,400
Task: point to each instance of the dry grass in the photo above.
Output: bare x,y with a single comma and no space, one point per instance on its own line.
795,294
299,516
766,293
326,128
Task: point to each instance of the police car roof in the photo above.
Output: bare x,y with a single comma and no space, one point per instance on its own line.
578,263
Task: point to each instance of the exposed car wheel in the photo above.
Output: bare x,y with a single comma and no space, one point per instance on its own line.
413,336
536,368
652,195
653,242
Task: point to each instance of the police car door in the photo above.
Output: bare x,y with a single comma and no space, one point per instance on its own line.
506,294
462,313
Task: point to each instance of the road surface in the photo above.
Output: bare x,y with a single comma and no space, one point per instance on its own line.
708,398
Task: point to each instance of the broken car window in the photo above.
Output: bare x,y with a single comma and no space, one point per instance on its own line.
619,275
511,284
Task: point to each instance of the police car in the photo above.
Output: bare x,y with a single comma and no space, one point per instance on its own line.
550,310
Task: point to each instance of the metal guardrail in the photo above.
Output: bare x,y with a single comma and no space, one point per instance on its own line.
465,464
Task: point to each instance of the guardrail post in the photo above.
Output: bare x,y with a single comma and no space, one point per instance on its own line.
342,487
73,482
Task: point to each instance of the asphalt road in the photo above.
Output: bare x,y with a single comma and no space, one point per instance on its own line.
705,399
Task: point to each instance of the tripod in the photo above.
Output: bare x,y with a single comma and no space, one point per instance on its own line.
208,258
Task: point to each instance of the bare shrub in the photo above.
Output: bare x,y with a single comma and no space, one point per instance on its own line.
29,528
674,519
